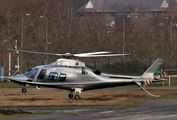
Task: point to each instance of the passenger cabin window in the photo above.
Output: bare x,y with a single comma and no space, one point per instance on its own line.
42,74
62,77
53,76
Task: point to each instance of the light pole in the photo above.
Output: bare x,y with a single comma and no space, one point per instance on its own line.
9,64
22,38
123,36
123,39
46,37
46,44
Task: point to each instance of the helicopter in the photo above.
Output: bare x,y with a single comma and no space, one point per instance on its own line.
74,76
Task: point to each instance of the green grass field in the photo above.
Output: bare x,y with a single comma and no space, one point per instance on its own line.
108,96
118,96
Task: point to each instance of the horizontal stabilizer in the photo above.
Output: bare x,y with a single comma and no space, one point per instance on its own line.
159,80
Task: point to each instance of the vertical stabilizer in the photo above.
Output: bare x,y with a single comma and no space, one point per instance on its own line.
149,73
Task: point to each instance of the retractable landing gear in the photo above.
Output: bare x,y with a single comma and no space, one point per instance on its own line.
76,96
77,90
24,90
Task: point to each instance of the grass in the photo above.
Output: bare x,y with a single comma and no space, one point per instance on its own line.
120,96
11,95
7,84
17,115
59,98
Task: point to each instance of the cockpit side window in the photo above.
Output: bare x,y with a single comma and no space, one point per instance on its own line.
32,73
42,74
53,76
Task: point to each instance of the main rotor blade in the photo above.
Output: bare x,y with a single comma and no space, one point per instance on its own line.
68,55
91,53
108,55
36,52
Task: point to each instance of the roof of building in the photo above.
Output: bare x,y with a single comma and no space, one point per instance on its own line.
125,5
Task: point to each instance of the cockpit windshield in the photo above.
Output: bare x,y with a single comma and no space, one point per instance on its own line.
32,73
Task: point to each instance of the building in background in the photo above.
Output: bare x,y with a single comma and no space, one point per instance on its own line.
128,10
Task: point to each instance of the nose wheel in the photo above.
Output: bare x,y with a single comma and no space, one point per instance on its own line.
24,90
70,95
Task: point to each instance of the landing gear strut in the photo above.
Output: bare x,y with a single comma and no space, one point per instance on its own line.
77,91
24,90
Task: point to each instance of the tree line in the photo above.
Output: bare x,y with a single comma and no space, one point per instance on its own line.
53,26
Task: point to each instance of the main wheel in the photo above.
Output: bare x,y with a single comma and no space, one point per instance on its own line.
70,95
77,97
24,90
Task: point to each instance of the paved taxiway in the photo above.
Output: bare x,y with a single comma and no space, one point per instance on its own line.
156,110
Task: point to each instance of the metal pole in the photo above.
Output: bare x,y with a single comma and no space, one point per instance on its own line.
18,66
17,56
9,64
169,80
22,42
171,36
123,38
17,52
46,39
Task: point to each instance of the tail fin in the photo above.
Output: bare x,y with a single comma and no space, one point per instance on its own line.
149,73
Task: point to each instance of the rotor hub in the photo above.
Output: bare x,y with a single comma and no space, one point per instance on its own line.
68,55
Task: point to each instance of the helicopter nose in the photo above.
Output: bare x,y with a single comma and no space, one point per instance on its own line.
18,78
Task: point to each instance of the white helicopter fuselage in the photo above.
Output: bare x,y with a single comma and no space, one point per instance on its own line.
74,76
